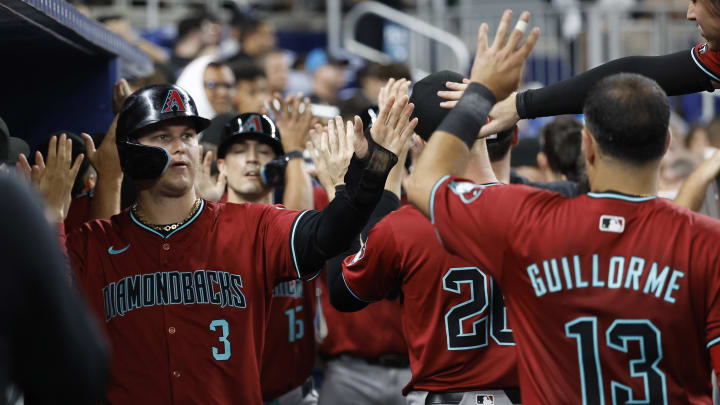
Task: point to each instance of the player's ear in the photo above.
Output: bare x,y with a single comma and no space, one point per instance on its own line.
221,165
668,139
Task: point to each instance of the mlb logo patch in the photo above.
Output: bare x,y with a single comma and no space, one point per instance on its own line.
611,223
703,49
482,399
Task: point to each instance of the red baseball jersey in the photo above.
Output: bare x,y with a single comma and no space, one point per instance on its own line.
78,213
289,354
290,346
374,331
707,60
453,314
186,314
348,332
613,298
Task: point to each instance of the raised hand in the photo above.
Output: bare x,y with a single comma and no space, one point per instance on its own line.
293,117
393,127
205,185
499,67
502,116
121,91
54,180
331,151
393,88
104,159
453,95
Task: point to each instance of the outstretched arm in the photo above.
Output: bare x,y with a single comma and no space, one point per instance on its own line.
676,73
495,74
692,193
324,234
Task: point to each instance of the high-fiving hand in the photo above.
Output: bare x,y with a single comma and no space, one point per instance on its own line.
499,67
392,128
53,179
331,151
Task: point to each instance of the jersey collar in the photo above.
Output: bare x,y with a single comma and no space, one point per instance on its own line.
183,226
616,195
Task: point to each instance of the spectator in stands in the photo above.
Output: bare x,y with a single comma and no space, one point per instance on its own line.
251,87
560,157
257,36
276,64
121,26
713,131
198,35
697,139
328,79
211,84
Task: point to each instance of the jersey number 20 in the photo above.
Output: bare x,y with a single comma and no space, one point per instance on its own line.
477,282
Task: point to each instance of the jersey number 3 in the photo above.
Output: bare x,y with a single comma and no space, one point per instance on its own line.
477,282
225,330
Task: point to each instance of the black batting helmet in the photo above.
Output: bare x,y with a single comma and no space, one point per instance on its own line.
149,106
250,125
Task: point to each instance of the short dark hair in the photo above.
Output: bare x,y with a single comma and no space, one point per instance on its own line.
245,70
628,115
560,139
498,147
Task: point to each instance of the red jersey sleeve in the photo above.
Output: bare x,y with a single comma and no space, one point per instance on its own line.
474,221
277,229
712,309
373,272
707,60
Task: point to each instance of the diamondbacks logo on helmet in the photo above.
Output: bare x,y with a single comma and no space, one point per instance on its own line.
253,124
173,102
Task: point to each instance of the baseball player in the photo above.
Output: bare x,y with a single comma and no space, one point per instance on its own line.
678,73
598,286
459,340
365,365
183,285
250,143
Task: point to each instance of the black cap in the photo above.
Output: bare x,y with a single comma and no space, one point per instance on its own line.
427,102
11,147
254,126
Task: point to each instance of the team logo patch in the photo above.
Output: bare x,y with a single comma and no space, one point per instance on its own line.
467,191
252,124
173,102
703,48
611,223
482,399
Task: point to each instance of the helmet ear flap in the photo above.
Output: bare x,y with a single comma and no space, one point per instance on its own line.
142,162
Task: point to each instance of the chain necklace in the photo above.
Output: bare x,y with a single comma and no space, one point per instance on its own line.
169,227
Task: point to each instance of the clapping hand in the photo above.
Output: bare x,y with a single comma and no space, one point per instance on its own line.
53,179
331,152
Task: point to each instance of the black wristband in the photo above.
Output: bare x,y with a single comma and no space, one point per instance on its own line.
520,104
469,114
293,154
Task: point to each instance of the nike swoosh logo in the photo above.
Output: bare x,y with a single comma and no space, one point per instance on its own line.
118,251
